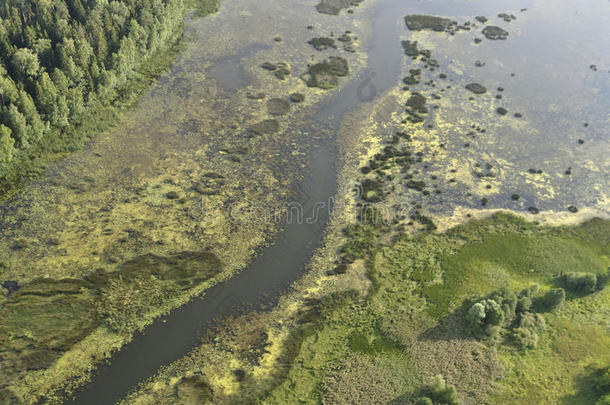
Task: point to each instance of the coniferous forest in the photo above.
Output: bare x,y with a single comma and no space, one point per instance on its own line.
60,58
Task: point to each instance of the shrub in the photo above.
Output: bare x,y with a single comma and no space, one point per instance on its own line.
494,316
508,302
525,298
485,316
476,314
441,393
602,279
525,335
529,292
580,283
424,401
523,304
525,338
532,321
553,299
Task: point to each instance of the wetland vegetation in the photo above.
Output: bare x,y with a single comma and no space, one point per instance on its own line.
466,257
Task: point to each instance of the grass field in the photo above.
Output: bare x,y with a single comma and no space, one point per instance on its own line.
385,348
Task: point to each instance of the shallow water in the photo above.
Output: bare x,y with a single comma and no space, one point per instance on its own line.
544,69
195,120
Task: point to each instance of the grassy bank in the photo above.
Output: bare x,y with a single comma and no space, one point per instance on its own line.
390,345
414,323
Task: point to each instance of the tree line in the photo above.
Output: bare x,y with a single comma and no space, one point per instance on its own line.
57,57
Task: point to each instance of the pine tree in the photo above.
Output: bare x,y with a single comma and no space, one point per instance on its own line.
6,144
25,62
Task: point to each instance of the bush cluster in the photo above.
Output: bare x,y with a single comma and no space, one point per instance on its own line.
584,283
509,313
438,393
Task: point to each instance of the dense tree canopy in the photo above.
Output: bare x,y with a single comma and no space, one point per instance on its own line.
59,56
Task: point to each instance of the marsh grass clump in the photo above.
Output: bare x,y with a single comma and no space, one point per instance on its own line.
334,7
297,97
282,71
325,75
269,66
494,33
418,22
416,107
410,48
476,88
322,43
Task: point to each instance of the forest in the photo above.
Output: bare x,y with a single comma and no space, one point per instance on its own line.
60,58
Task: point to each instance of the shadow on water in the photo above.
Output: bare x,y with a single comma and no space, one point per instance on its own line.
276,267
